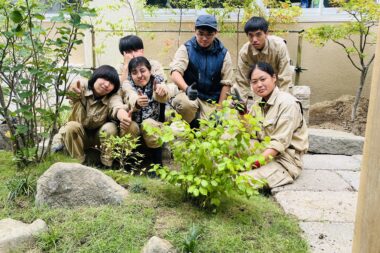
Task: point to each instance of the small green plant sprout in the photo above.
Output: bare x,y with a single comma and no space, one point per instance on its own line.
191,239
21,185
212,158
123,149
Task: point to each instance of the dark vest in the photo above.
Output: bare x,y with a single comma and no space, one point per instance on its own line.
205,66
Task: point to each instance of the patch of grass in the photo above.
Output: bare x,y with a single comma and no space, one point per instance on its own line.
155,208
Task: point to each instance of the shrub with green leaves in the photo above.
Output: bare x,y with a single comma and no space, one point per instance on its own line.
34,69
212,158
123,149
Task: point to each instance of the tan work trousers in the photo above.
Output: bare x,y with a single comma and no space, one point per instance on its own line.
77,139
188,108
274,173
136,130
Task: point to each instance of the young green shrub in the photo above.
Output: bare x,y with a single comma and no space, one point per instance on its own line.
123,149
191,239
212,158
35,69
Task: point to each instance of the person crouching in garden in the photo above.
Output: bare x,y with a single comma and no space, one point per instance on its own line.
283,123
145,95
93,107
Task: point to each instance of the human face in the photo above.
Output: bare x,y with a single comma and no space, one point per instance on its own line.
257,39
141,75
102,87
204,37
262,84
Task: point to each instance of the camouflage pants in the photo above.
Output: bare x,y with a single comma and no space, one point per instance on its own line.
151,141
189,108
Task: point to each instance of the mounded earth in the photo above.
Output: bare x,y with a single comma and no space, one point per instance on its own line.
336,114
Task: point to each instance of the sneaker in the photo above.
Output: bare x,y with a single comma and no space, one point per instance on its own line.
57,144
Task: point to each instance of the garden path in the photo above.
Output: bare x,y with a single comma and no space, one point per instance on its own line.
323,199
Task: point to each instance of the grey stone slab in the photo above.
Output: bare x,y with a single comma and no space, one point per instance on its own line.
352,177
358,157
327,141
319,206
15,235
328,237
330,162
316,180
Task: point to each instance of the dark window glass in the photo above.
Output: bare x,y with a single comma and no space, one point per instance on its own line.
177,4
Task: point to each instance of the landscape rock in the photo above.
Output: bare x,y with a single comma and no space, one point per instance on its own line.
72,184
327,141
18,236
158,245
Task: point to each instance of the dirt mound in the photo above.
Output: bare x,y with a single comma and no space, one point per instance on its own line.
336,115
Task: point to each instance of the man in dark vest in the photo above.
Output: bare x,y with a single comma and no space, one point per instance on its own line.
202,70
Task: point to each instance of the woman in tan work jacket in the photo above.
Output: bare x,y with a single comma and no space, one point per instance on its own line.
283,123
94,105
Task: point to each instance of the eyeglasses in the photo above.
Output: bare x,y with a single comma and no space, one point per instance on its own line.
206,35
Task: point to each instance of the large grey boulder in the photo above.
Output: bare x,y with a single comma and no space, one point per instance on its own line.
327,141
72,184
158,245
18,236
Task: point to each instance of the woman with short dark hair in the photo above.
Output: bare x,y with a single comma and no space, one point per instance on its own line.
93,107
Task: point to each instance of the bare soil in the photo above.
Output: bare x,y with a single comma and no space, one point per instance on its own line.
336,115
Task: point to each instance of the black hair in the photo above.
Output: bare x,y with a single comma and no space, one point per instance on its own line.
108,73
263,66
137,61
130,43
206,28
256,23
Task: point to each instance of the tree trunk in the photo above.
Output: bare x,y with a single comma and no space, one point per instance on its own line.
363,76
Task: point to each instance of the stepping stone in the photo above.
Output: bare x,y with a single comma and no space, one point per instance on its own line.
158,245
327,141
351,177
15,236
330,162
316,180
319,206
328,237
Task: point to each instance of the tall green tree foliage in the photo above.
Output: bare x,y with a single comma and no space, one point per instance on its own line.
355,37
34,69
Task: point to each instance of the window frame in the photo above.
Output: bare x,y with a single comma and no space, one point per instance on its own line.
309,15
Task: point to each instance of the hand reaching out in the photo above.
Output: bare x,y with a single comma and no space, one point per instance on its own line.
75,90
127,57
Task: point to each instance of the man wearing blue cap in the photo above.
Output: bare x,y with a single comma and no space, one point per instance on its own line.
202,70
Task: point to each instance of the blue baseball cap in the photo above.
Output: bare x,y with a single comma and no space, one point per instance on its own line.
206,20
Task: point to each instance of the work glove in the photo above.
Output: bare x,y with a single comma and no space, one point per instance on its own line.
238,103
192,92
